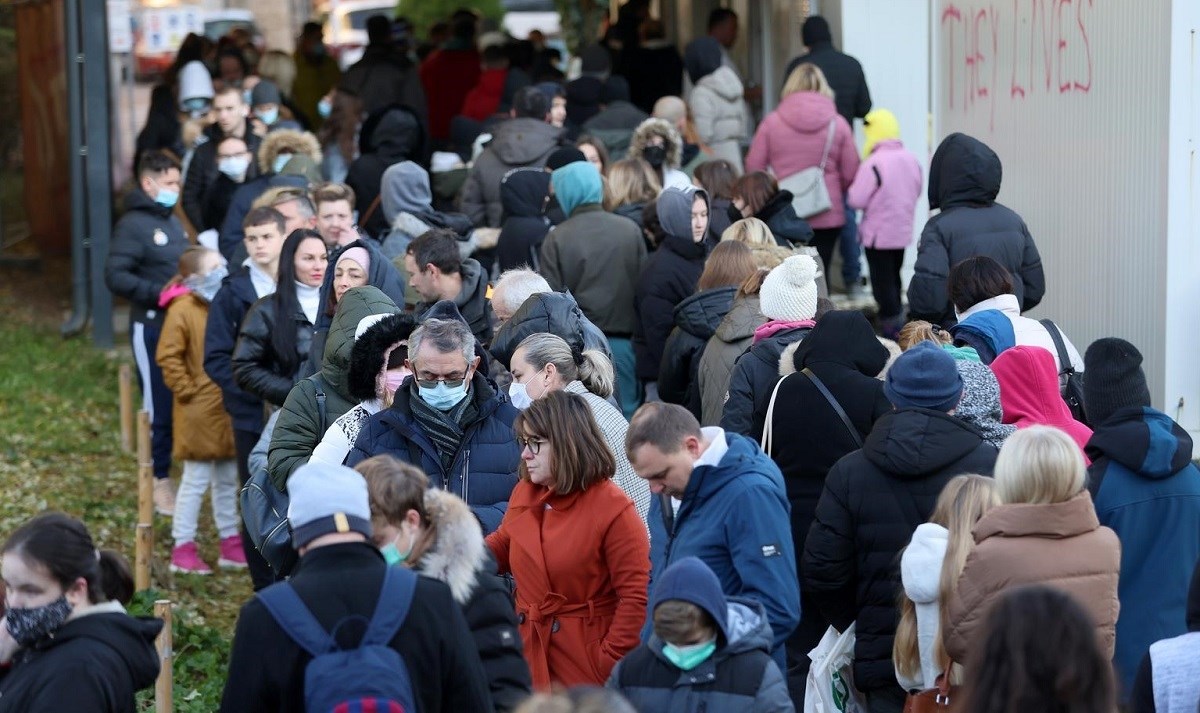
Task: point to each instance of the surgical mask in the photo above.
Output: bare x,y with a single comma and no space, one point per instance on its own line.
235,166
690,656
392,380
519,396
442,397
280,161
268,117
393,556
655,155
324,108
196,105
205,286
166,197
29,625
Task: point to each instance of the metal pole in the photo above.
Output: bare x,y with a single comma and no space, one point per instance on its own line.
98,108
79,292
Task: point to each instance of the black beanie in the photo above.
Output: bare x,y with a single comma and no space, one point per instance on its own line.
815,31
1112,379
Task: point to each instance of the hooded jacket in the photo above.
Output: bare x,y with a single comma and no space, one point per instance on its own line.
696,320
1025,331
146,245
752,380
843,72
552,313
393,134
964,180
789,229
739,676
406,201
1029,392
202,429
792,138
94,663
472,301
523,193
516,143
729,341
717,101
1167,678
1061,545
921,575
225,316
886,189
203,175
1147,490
873,500
298,430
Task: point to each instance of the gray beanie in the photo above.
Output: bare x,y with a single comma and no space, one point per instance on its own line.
325,499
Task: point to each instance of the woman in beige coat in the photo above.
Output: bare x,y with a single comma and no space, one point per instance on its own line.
1044,532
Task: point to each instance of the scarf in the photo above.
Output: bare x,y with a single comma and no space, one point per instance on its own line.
447,429
768,330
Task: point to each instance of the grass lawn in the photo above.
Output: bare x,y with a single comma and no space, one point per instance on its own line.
60,449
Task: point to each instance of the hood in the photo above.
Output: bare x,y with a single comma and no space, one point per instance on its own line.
356,304
701,314
368,356
911,443
702,57
405,189
657,127
1071,518
980,403
577,184
583,99
382,274
1146,441
394,133
807,112
991,326
787,227
747,626
744,317
550,312
524,141
879,125
963,171
458,552
132,638
840,337
921,563
674,207
725,83
523,192
474,289
1029,388
290,141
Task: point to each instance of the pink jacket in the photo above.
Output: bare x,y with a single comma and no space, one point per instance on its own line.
886,190
792,138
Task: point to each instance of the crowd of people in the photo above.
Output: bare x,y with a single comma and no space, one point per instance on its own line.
548,379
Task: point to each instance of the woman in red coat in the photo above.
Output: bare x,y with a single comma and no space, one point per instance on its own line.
574,543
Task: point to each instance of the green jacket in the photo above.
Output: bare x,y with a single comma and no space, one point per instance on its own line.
298,430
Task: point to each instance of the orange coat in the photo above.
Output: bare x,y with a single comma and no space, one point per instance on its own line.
202,427
582,567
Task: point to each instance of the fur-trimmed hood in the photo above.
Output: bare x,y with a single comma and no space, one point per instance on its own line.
287,141
657,127
458,551
367,356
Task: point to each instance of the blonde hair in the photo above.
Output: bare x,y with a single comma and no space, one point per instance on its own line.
751,231
591,367
631,180
807,78
1040,465
918,331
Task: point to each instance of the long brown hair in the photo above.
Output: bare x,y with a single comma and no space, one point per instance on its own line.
729,264
581,455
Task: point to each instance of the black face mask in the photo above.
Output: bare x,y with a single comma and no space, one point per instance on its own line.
734,214
655,155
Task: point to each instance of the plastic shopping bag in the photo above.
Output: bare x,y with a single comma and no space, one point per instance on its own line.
830,685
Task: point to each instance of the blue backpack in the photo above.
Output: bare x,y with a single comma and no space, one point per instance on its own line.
373,676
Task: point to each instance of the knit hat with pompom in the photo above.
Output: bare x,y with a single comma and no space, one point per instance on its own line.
789,292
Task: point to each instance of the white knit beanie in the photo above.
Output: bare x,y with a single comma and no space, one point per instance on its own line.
789,292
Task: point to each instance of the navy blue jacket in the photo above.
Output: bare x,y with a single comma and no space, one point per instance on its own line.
488,457
1147,490
734,517
225,315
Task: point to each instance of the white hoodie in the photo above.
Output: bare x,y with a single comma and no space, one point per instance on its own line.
920,572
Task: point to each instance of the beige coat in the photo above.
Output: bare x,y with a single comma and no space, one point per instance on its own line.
203,430
1060,545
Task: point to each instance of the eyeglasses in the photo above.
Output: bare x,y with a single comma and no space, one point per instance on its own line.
451,383
533,444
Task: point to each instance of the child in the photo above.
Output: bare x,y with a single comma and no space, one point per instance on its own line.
886,189
203,431
708,653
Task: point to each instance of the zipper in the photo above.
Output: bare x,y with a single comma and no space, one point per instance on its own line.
465,472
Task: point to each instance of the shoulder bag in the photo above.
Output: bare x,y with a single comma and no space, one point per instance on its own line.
810,195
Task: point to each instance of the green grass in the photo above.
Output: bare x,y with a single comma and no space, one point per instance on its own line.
60,449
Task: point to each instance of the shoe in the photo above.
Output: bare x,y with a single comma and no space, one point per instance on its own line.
164,497
186,560
232,554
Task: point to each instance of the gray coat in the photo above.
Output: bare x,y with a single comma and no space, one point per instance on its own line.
515,143
733,336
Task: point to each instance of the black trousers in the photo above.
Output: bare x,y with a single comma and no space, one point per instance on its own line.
825,240
885,280
261,574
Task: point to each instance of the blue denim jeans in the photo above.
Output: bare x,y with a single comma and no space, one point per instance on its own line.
850,250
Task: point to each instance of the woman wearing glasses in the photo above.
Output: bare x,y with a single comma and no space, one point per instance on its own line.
575,545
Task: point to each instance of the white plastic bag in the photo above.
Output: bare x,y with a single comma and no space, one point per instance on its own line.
830,685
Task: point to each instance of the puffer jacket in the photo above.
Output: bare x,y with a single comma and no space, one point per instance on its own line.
203,173
256,367
614,127
202,428
472,301
1062,545
515,143
964,180
874,498
739,676
732,337
146,245
553,313
225,316
483,472
298,430
1029,394
669,277
844,74
696,321
718,109
523,193
792,138
391,135
886,189
753,379
1026,331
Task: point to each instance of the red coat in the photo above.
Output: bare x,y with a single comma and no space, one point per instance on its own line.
447,76
582,567
483,101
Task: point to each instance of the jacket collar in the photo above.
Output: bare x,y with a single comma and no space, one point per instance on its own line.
1005,303
1056,521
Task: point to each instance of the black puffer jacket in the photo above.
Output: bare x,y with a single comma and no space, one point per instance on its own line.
256,367
523,194
669,277
752,380
553,313
146,244
964,180
788,228
845,77
391,135
873,500
696,321
225,315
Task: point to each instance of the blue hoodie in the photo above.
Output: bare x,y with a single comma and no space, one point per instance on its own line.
1147,490
576,184
735,517
989,332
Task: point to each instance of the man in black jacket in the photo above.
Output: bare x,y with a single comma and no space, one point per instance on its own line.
339,577
146,245
873,500
229,107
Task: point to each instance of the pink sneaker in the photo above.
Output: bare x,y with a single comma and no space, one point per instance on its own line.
232,554
186,560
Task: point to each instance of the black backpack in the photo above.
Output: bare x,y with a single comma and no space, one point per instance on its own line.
1070,382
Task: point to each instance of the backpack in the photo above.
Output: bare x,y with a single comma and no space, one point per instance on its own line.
1070,382
371,677
264,507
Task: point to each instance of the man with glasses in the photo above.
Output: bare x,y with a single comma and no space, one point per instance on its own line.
448,420
209,161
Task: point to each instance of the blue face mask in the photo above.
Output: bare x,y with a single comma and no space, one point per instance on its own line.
268,117
206,286
393,556
166,197
690,656
442,397
280,161
324,108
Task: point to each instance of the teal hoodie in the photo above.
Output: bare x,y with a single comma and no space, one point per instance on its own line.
577,184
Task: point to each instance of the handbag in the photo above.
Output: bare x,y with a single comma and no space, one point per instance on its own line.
810,195
932,700
1070,382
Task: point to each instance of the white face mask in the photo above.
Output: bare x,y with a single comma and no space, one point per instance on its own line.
519,395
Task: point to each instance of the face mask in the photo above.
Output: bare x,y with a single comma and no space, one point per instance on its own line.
166,197
442,397
235,167
324,108
392,380
205,286
28,626
268,117
393,556
519,396
196,105
734,214
281,161
690,656
655,155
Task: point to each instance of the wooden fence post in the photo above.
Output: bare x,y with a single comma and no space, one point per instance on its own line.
125,387
145,523
163,692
